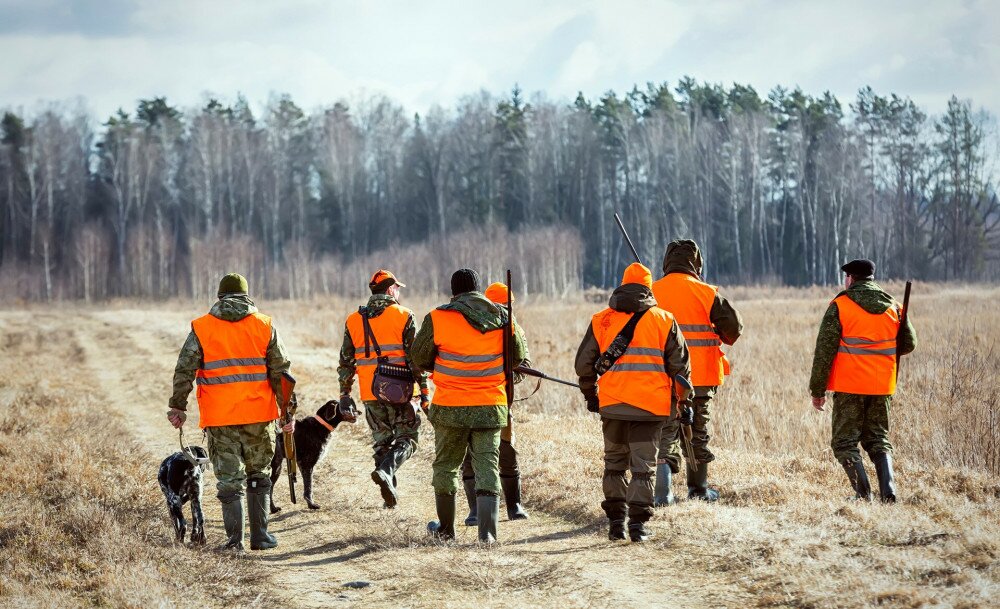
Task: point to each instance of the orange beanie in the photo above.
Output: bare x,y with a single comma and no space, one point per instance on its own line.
636,273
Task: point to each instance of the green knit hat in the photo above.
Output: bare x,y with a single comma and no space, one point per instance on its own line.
233,283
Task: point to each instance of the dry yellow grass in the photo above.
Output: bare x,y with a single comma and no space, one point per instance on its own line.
784,534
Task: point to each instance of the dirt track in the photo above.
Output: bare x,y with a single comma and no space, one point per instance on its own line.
352,538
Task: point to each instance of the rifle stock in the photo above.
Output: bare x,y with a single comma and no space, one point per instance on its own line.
287,397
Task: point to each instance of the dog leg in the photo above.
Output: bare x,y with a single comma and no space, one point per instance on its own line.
307,486
177,514
197,517
275,474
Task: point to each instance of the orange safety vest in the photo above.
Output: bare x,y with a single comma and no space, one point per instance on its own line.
690,301
388,330
639,377
865,363
233,388
468,368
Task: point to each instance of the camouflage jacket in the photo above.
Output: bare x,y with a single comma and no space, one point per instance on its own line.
484,316
232,307
629,298
348,367
873,299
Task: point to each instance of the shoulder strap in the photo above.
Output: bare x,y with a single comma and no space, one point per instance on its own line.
369,335
629,330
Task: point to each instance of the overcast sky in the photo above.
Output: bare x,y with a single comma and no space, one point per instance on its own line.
422,52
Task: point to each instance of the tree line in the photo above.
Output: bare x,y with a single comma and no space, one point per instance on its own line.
775,189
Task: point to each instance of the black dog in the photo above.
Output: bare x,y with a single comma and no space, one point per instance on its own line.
311,436
180,480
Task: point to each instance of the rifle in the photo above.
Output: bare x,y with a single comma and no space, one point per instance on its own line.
627,239
508,349
902,322
683,391
287,399
541,375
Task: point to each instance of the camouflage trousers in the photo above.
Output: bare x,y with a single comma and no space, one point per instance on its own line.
629,446
240,453
671,450
860,419
450,447
508,462
392,427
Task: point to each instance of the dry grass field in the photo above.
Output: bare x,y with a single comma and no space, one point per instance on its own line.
82,432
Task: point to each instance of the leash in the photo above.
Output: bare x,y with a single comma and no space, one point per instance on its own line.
323,422
188,454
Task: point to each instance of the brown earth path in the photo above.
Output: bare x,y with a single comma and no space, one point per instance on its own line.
541,562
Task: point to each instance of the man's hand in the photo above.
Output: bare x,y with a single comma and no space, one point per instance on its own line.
818,403
176,417
290,427
593,403
425,403
687,414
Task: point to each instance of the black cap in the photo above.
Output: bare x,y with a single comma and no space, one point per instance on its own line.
859,268
465,280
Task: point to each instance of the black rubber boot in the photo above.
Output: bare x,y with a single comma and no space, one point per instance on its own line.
258,498
638,532
385,474
859,480
698,484
444,527
470,495
232,520
512,497
488,510
886,483
616,530
663,490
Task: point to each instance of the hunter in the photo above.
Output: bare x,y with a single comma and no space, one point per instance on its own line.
634,396
394,426
859,341
707,320
510,471
237,358
461,345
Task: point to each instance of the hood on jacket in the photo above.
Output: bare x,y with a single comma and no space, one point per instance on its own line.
378,303
870,296
479,311
683,256
233,307
632,298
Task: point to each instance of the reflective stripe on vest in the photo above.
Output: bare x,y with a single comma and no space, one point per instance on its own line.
388,330
233,387
690,302
865,362
639,377
468,368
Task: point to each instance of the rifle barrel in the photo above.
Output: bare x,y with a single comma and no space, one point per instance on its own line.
627,238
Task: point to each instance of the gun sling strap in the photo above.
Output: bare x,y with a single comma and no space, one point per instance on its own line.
621,342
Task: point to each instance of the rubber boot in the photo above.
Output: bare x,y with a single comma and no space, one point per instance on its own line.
859,480
616,530
663,491
444,527
638,532
488,510
886,484
385,474
512,497
698,484
232,520
258,498
470,495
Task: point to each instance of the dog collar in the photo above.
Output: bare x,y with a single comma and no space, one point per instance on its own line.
322,422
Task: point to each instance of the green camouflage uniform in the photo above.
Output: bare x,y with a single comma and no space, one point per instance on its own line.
729,326
857,418
239,453
474,427
390,425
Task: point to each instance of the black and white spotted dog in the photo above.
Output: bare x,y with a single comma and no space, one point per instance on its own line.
181,481
311,437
